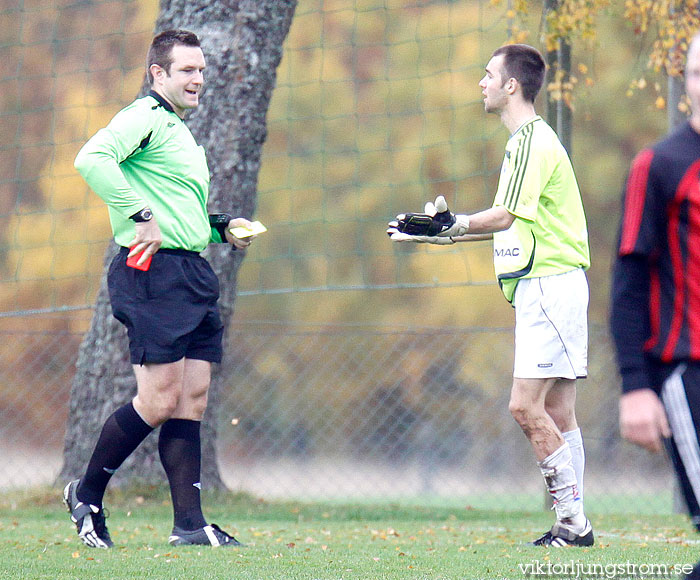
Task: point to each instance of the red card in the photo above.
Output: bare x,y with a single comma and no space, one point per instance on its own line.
131,262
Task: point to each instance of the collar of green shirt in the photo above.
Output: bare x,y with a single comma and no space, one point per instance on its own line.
161,101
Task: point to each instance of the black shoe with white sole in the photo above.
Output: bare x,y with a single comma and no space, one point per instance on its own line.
211,535
88,519
560,537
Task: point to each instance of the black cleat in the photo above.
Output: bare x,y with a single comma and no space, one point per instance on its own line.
560,537
89,519
211,535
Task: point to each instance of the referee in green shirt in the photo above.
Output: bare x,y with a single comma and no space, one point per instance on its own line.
154,178
540,246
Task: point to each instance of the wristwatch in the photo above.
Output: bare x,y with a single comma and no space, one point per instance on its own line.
220,221
145,215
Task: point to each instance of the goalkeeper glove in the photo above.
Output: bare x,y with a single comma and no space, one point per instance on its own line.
437,225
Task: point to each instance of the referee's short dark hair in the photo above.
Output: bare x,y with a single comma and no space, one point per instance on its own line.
525,64
161,50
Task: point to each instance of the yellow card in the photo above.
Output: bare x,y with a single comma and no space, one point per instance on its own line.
254,229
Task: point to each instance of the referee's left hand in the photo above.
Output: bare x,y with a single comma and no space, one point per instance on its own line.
238,243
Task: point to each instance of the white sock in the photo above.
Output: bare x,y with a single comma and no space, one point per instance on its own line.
560,478
578,456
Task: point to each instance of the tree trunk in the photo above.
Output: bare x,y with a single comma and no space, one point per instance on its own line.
558,113
675,94
564,116
242,43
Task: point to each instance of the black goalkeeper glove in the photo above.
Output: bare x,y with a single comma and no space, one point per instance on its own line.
437,225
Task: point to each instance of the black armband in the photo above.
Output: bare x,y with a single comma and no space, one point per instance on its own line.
219,221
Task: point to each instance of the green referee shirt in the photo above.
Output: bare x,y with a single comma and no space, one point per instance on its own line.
147,157
537,185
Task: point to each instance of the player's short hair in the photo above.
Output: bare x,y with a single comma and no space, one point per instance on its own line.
526,65
161,50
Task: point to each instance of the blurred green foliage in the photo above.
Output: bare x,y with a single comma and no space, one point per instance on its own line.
376,111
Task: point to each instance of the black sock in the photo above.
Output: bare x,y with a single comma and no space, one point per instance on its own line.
122,432
180,452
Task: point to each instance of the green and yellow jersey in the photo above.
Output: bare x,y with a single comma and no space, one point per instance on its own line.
538,186
147,156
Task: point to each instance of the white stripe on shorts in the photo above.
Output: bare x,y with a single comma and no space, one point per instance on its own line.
682,426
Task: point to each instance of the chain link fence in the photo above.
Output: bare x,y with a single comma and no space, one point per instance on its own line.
352,412
376,109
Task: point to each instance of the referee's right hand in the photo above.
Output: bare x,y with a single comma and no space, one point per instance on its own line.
147,238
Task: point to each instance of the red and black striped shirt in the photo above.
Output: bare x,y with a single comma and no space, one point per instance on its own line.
655,310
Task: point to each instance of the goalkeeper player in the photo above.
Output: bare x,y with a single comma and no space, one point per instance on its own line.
540,255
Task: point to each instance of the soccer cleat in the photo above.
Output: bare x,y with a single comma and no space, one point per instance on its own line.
211,535
560,537
89,519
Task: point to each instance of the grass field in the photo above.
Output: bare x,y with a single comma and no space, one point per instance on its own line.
330,541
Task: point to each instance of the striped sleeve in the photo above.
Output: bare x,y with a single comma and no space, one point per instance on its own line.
514,189
633,239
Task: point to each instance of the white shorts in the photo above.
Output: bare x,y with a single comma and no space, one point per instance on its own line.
551,327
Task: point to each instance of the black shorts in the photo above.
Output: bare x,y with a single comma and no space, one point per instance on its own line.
170,311
680,394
